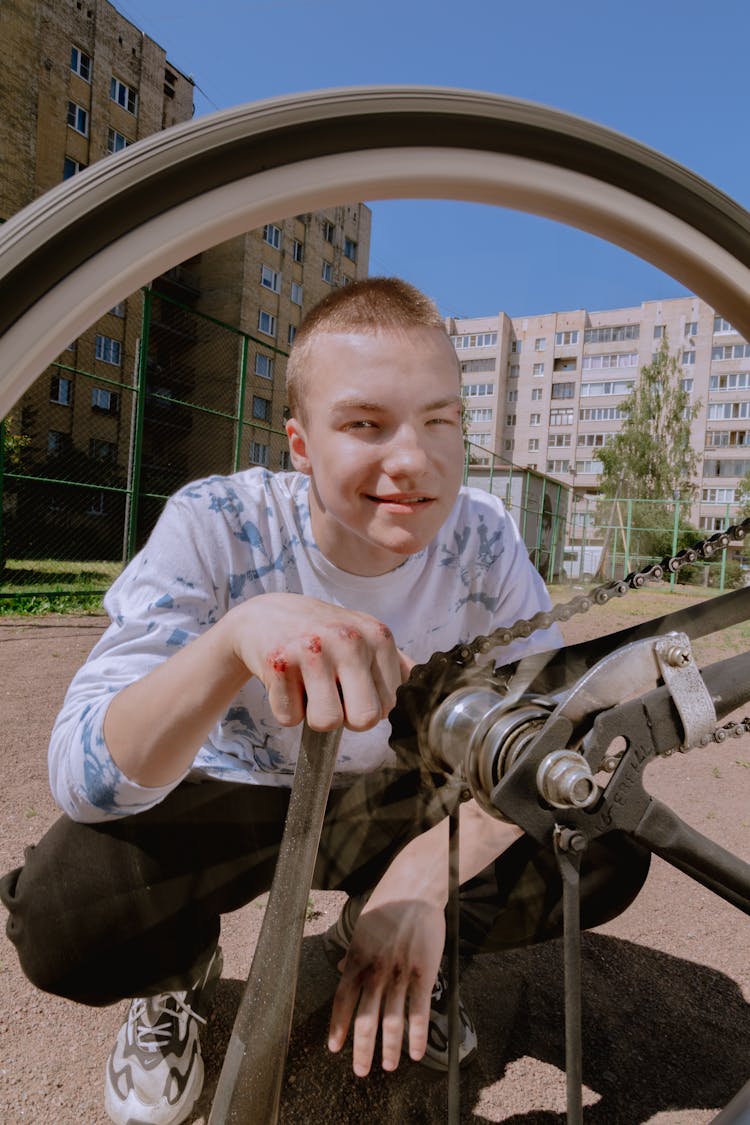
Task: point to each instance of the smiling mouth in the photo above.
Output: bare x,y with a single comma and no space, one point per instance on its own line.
402,501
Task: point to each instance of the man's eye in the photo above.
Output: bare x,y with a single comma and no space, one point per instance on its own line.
360,424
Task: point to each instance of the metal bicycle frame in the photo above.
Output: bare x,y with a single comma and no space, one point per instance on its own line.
93,240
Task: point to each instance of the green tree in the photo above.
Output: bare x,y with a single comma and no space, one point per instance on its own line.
651,461
742,497
14,444
651,458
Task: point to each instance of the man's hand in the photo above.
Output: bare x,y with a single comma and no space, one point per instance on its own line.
330,665
390,967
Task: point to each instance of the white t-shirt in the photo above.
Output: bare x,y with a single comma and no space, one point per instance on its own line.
223,540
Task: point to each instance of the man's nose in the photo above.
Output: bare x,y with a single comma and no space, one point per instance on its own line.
406,454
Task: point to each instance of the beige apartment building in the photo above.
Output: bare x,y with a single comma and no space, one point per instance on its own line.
546,391
80,83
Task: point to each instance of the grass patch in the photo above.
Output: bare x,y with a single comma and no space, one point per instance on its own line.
38,586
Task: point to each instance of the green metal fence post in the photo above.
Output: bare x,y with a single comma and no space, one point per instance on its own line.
540,522
675,535
136,458
241,404
723,572
2,490
628,546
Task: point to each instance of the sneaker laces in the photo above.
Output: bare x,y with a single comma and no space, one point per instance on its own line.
153,1036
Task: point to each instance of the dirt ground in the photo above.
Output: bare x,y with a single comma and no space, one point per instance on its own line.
666,985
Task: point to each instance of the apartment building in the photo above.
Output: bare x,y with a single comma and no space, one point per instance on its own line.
547,391
81,82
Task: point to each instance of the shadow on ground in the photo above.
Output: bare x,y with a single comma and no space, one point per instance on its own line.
660,1034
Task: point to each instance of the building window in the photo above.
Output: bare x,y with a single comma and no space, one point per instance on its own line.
540,344
561,417
718,495
61,390
658,331
533,443
284,461
687,385
509,444
737,381
483,438
263,365
57,442
564,339
537,370
258,453
602,414
607,335
476,390
558,441
327,272
607,362
78,118
727,410
96,507
123,95
537,393
266,323
563,390
261,408
71,167
614,387
296,293
535,419
514,371
116,141
691,328
329,231
592,468
80,63
298,251
721,325
291,332
688,358
596,440
510,419
479,414
118,309
731,351
475,340
516,346
272,235
108,350
102,450
270,279
350,249
558,466
105,401
511,396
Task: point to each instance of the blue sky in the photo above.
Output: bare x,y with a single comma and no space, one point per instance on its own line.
671,74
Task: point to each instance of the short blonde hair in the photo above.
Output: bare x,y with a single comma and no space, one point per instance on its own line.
377,304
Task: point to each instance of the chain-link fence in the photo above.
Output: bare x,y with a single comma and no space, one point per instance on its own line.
610,538
121,421
88,459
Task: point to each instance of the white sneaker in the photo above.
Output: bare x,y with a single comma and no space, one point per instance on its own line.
155,1071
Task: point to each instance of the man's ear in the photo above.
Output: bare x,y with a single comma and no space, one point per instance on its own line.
295,432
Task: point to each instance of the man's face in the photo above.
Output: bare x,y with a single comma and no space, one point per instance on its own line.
382,442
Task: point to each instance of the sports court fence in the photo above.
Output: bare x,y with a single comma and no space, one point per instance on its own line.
121,421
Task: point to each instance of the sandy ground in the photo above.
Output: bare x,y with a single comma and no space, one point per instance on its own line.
666,985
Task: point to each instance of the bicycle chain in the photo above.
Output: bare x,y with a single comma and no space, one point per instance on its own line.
431,682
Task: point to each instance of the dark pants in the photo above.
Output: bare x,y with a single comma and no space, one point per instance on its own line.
100,912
